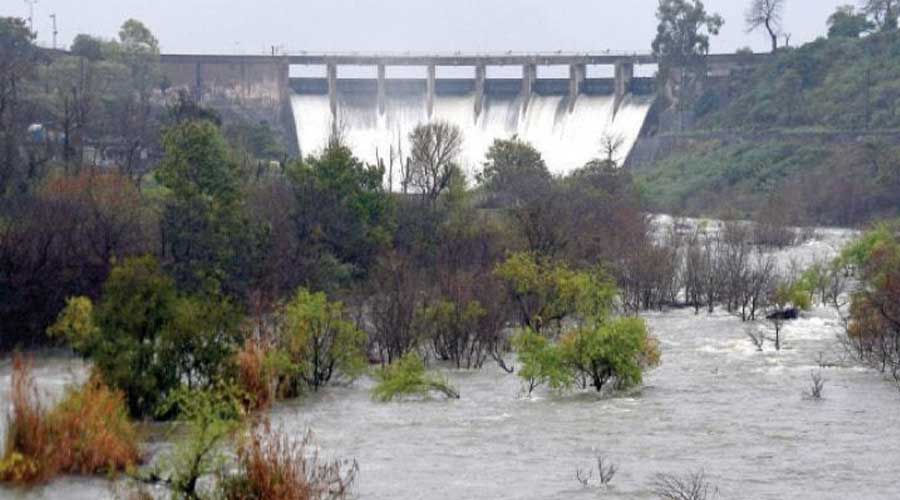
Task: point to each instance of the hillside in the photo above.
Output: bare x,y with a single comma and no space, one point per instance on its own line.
815,131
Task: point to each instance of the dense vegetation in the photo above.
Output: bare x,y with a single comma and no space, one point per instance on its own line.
812,130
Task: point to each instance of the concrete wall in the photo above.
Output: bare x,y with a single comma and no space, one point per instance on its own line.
254,88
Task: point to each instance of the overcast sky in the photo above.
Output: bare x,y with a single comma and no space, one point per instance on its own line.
250,26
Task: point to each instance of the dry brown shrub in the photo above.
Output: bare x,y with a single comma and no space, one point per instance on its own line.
88,432
275,467
92,431
254,377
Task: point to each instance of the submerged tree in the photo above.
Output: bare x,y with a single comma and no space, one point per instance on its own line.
408,377
319,341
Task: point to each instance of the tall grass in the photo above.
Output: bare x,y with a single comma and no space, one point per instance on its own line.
25,459
88,432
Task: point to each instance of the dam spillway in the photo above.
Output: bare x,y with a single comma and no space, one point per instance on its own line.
564,118
566,127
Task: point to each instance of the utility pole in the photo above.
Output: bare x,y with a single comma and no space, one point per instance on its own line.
53,16
31,14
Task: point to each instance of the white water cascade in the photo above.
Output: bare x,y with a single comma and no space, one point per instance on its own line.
567,140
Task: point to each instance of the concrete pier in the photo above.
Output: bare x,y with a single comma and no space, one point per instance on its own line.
529,75
577,73
624,75
430,89
331,70
480,76
381,89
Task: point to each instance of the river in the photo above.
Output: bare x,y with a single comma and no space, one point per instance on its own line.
715,404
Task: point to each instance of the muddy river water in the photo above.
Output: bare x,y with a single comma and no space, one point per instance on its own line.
715,404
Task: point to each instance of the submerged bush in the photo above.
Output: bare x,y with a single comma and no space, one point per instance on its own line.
408,377
147,340
255,376
320,342
272,466
88,432
616,351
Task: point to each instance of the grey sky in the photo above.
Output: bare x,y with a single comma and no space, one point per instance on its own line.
250,26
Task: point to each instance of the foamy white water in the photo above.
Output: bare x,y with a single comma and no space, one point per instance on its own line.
566,139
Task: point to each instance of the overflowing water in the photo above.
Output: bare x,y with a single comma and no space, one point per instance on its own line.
566,139
715,404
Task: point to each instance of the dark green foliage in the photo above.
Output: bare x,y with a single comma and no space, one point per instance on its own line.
838,83
514,171
342,215
146,340
128,347
208,241
846,22
808,178
408,377
685,27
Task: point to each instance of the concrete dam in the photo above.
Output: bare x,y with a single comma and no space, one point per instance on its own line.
566,119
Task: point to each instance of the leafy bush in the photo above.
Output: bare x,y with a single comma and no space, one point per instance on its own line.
408,377
320,342
146,340
541,361
618,350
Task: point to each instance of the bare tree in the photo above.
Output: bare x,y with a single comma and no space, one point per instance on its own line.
610,144
606,472
766,13
692,486
435,151
817,384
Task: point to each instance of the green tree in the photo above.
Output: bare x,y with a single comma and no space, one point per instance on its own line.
547,292
540,362
618,350
207,240
884,13
320,341
88,47
126,341
847,23
18,62
342,217
514,170
683,33
148,341
138,50
203,334
681,45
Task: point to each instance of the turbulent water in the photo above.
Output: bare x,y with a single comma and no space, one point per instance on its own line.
566,139
714,404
